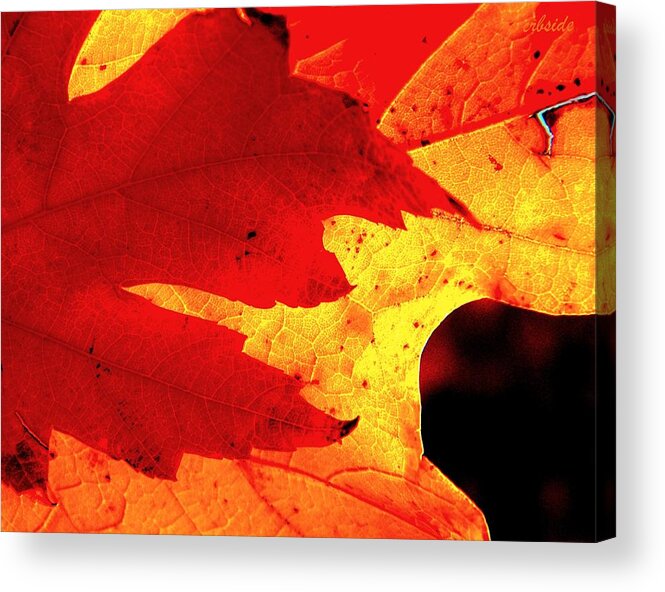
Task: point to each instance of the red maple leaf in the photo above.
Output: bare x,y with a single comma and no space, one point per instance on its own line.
204,165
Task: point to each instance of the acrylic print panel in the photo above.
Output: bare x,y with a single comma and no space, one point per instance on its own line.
228,236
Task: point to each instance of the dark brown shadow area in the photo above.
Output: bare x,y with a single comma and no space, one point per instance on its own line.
510,414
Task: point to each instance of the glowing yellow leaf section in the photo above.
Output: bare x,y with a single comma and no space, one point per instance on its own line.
549,226
116,41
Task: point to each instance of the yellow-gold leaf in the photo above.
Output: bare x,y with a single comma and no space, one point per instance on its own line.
117,40
542,225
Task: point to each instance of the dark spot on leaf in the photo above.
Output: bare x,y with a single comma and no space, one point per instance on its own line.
12,29
550,118
22,475
276,24
497,165
536,54
24,452
457,205
424,142
577,81
560,87
348,426
349,101
251,234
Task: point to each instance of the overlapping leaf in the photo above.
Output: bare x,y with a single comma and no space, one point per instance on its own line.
196,166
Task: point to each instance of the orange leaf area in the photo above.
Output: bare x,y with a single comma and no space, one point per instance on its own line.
97,494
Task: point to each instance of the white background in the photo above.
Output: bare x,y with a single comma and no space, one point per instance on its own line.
636,559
